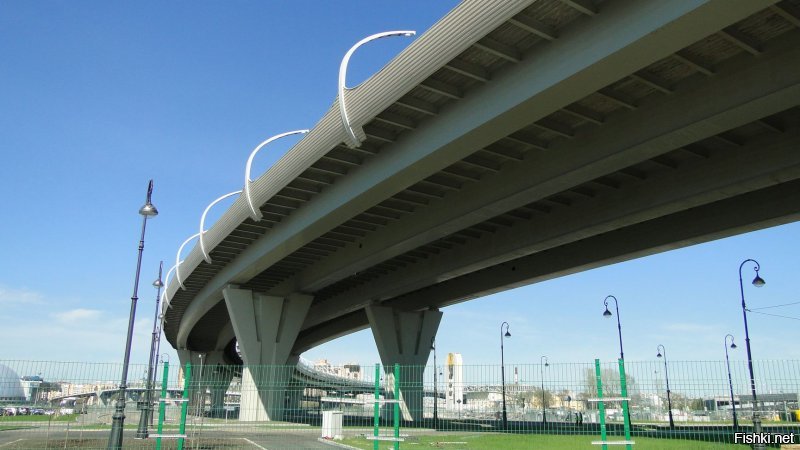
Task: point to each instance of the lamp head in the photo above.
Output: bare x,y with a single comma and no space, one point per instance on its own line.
733,345
158,284
758,281
546,364
607,313
148,210
659,354
508,335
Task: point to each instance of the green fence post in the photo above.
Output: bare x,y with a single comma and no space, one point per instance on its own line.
162,405
185,404
397,406
377,408
625,412
600,405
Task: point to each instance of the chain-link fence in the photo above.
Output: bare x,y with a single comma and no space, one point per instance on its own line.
680,405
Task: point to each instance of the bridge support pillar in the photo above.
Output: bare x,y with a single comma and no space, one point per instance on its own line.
211,376
266,328
405,338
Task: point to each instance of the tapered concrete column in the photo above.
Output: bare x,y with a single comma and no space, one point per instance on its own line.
405,338
266,328
217,378
210,375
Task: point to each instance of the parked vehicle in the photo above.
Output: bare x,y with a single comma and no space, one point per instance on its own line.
72,405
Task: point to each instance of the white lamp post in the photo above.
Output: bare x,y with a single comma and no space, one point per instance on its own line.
353,140
203,221
254,212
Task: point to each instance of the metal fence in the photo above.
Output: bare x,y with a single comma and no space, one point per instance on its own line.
554,405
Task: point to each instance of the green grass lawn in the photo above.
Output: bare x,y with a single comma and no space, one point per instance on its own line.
490,441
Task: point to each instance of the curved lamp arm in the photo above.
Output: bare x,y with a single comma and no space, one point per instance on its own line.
254,213
178,260
733,344
354,141
203,222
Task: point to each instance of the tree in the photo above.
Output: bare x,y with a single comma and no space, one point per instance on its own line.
611,384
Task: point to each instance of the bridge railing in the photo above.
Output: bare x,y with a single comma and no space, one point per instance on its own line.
69,403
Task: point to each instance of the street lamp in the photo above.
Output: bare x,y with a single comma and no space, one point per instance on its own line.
354,141
503,370
541,374
255,213
757,282
141,432
663,352
608,314
730,380
435,385
118,419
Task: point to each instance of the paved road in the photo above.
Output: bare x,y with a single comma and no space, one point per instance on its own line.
250,437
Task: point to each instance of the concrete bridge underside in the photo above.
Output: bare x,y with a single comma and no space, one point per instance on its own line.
507,145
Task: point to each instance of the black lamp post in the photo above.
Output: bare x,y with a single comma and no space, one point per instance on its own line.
663,352
730,380
542,364
757,282
141,432
435,385
118,419
608,314
503,370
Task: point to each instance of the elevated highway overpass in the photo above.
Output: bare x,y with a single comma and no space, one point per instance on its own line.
511,143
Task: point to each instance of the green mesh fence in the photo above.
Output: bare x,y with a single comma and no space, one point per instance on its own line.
69,405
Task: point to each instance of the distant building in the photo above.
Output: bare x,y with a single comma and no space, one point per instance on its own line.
454,379
766,402
10,385
31,387
349,370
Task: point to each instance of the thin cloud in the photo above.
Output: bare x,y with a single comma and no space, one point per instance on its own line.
77,315
9,296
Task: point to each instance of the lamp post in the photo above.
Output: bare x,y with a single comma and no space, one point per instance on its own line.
663,352
503,371
141,432
354,141
757,282
435,385
608,314
541,374
730,380
118,419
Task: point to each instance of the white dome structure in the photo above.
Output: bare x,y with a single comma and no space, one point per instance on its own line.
10,385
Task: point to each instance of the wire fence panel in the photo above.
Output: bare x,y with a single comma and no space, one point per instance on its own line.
549,405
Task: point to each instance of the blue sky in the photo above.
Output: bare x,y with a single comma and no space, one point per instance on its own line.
96,98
